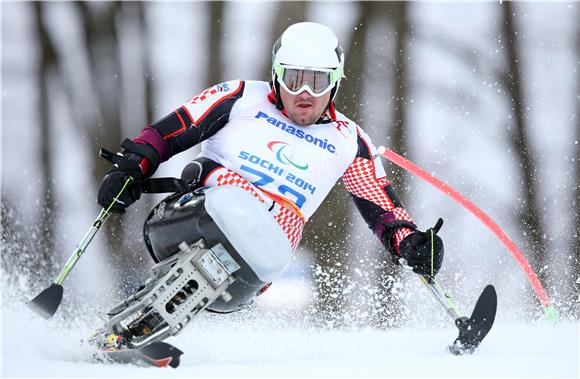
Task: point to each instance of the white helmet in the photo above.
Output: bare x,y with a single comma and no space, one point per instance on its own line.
308,57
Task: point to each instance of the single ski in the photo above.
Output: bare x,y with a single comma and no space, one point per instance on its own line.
471,330
474,329
158,354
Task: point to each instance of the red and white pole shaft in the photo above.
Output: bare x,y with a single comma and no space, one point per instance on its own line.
483,217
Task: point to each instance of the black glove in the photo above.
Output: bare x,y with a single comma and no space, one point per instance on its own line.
418,252
125,166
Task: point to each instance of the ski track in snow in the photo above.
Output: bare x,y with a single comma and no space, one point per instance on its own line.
271,341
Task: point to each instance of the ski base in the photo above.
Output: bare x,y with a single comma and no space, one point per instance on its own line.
157,354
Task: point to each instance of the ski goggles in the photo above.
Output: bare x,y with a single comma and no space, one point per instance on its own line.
316,82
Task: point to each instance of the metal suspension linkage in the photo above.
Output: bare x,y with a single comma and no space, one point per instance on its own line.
180,287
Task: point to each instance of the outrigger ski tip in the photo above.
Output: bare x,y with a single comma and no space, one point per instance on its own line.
474,329
46,303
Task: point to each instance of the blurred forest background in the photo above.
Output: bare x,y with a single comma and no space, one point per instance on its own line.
484,95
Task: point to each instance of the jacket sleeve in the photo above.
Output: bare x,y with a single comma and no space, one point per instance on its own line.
374,196
190,124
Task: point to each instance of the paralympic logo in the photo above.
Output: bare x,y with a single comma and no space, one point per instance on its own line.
278,147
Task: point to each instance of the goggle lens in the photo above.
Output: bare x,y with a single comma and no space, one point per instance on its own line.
318,81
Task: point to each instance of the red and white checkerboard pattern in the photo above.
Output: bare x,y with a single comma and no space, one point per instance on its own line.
292,225
360,180
400,234
401,214
225,177
291,222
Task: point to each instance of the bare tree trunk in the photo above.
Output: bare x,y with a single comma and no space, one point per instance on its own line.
214,63
134,259
575,232
388,309
400,18
17,250
349,97
44,264
530,219
101,43
146,61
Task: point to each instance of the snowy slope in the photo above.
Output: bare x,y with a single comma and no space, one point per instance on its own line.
272,339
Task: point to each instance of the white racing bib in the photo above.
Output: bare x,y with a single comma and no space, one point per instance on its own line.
299,163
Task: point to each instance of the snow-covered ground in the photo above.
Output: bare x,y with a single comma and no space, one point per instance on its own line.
272,339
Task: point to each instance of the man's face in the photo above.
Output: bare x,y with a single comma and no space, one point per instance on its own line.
304,109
